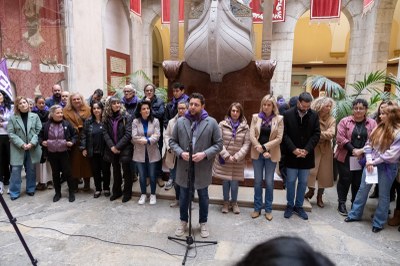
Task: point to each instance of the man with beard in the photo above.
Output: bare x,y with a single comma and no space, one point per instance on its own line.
56,98
202,131
300,136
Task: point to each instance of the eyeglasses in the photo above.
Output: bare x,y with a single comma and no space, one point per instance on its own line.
128,91
359,109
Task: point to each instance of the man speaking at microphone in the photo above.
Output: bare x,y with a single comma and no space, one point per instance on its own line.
203,131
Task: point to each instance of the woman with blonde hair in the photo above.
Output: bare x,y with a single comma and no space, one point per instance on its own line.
229,165
76,112
383,152
23,129
266,132
323,170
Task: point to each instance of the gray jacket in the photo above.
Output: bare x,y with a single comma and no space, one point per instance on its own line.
208,140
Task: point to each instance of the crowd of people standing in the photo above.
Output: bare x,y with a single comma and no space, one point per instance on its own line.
67,138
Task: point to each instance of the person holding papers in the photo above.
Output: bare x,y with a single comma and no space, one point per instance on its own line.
382,155
352,134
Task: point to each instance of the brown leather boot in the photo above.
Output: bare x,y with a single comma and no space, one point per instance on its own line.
310,193
320,203
395,220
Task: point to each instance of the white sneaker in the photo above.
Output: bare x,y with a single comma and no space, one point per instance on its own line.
142,199
1,187
180,231
203,230
153,199
8,191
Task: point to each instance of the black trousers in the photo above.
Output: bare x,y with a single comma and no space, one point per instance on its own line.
60,162
101,171
127,174
347,178
5,159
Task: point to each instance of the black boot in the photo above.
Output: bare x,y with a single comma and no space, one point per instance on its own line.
342,208
71,197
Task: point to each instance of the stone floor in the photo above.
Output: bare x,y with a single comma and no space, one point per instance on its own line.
99,232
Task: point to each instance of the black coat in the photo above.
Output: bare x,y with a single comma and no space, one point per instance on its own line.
124,137
302,133
86,138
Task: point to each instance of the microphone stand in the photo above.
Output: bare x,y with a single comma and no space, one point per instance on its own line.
13,222
190,185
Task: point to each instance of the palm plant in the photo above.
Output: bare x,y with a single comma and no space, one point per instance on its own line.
368,88
138,79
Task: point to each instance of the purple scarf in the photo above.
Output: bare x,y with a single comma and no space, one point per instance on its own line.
35,109
265,120
134,100
175,101
114,122
234,126
196,119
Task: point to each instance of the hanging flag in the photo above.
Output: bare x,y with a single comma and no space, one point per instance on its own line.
165,14
325,10
136,7
278,13
367,5
5,84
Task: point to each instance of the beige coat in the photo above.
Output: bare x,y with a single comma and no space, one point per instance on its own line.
275,138
170,156
323,170
153,134
237,147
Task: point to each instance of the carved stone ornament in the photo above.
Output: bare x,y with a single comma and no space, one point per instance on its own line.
171,69
265,69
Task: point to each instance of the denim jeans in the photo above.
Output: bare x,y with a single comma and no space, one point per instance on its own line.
147,169
386,176
15,180
263,168
292,175
231,186
184,204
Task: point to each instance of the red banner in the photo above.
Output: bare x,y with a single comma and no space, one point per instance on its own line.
278,13
136,7
367,5
325,9
165,7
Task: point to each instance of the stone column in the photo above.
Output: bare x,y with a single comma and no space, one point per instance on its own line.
267,30
369,39
174,30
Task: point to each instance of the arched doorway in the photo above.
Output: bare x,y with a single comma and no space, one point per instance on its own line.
319,49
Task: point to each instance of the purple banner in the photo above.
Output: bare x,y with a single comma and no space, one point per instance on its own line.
5,84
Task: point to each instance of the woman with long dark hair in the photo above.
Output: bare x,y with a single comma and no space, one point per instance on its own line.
383,152
229,165
6,111
145,135
92,146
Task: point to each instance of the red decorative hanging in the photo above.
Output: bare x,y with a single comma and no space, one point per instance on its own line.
278,13
367,5
325,10
136,7
165,7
